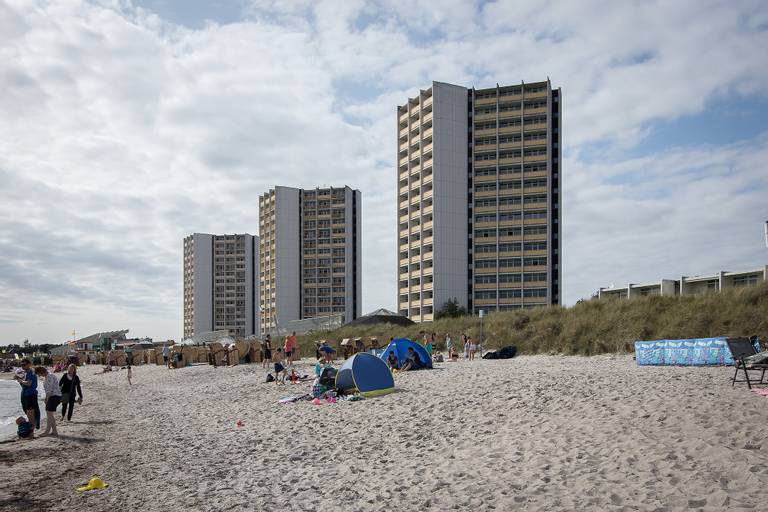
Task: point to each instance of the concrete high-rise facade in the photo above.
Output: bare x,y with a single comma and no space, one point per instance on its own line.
221,284
479,173
310,254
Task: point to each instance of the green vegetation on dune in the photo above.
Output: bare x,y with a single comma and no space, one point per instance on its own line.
592,327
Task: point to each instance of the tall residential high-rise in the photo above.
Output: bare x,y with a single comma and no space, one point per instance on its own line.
479,198
310,254
221,284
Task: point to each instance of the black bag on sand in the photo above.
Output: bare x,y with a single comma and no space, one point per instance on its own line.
270,378
328,377
507,352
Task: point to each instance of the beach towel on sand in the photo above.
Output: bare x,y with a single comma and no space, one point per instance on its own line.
294,398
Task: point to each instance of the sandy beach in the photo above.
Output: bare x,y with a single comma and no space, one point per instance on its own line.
532,433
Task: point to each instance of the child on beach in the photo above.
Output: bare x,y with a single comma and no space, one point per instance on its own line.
280,369
24,428
130,374
52,399
392,361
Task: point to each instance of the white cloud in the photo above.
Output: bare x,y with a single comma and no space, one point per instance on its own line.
122,132
689,211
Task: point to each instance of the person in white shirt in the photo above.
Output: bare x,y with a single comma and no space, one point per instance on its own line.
449,345
52,400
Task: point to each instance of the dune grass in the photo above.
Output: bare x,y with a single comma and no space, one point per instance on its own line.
592,327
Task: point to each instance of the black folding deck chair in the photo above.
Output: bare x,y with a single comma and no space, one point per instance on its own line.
741,348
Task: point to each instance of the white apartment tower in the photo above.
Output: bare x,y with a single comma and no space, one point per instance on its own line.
310,254
479,198
220,284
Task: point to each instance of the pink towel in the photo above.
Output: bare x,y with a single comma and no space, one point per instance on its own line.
762,392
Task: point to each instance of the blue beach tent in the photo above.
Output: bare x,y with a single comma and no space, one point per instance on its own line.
365,374
400,348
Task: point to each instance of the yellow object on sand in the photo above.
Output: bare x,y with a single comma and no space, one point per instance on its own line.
93,483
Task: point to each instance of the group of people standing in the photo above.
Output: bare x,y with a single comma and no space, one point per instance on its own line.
283,358
470,347
65,392
290,349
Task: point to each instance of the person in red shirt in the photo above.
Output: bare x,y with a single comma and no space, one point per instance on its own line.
290,347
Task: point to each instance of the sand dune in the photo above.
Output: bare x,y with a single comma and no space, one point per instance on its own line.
533,433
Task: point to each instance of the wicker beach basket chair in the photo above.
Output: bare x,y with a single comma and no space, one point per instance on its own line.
243,348
217,350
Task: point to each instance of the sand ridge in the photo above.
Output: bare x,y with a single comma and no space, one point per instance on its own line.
532,433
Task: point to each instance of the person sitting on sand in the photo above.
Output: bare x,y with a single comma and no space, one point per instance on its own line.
52,400
392,360
413,362
24,429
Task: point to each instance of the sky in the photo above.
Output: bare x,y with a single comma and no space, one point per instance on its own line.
125,126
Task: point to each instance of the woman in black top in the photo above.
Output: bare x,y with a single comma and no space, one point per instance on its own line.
69,384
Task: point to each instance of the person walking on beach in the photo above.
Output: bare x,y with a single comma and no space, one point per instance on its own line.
52,400
130,374
166,353
70,385
28,383
472,348
466,345
449,345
